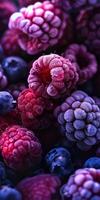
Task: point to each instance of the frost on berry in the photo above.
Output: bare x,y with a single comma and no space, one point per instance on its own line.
52,76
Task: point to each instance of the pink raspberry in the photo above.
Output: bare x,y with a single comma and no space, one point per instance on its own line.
10,44
52,76
40,187
87,28
84,61
39,26
32,109
20,148
84,184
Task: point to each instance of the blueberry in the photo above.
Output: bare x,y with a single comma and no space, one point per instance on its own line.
7,193
93,162
6,102
59,161
2,173
15,69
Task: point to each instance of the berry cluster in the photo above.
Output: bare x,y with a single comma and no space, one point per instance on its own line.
49,100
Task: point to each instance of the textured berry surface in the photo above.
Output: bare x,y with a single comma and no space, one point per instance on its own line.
20,148
52,76
84,61
93,162
15,68
16,89
87,25
83,185
41,187
6,102
79,118
59,161
9,193
40,26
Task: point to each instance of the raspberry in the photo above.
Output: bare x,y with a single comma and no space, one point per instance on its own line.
39,26
6,9
20,148
15,89
10,44
93,162
15,68
59,161
79,119
52,76
87,28
84,184
3,79
43,186
32,109
85,62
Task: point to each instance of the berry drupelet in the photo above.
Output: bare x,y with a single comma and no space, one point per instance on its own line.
84,61
53,76
39,26
79,119
15,68
93,162
84,184
7,102
87,28
40,187
8,193
59,161
20,148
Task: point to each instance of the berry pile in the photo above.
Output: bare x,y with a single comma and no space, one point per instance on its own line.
50,100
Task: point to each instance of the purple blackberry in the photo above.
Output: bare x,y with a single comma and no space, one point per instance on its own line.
88,28
93,162
84,184
3,79
79,118
84,61
15,68
59,161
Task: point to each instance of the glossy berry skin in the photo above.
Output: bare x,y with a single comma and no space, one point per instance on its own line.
6,102
39,26
53,76
84,61
59,161
79,119
9,193
87,28
15,69
20,148
41,187
93,162
3,79
84,184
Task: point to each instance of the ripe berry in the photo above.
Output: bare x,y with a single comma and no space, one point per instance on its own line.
6,102
15,69
93,162
7,193
20,148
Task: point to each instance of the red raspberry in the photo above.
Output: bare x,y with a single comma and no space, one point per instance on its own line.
87,28
52,76
40,26
31,108
10,44
6,9
40,187
83,185
84,61
20,148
